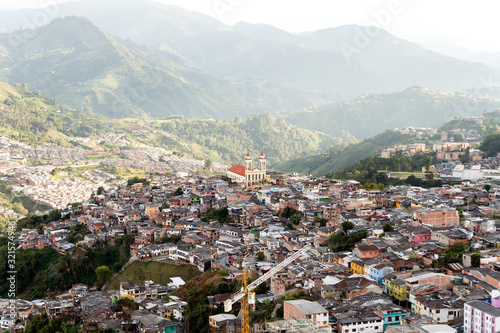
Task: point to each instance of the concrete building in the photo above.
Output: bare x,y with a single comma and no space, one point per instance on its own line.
481,317
310,310
224,323
439,218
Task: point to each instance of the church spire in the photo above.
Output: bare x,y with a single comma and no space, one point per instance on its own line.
248,160
262,160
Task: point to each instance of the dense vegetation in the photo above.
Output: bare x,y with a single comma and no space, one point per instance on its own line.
45,272
367,169
345,239
343,156
41,324
229,139
491,144
19,204
373,172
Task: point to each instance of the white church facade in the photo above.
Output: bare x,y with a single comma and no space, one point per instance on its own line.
247,175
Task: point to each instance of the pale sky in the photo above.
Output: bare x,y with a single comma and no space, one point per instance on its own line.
469,24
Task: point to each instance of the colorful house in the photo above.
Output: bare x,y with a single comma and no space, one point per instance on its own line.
392,314
378,271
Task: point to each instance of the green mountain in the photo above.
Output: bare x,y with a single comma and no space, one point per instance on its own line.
231,138
277,70
341,157
345,155
415,106
78,64
28,117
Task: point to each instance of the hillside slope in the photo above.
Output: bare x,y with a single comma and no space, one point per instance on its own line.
78,64
341,157
415,106
27,117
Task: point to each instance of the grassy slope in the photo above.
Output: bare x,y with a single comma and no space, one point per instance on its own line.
156,271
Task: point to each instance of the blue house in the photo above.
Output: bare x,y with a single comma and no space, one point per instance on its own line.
378,271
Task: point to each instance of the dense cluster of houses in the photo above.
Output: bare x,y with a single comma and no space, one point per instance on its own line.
394,279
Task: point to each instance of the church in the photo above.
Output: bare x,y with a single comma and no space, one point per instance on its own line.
246,175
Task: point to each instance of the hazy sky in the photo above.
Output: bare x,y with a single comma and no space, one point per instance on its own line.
468,24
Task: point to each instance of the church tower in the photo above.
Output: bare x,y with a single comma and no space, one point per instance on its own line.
248,160
262,161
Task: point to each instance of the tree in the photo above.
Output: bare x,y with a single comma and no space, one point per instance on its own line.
465,157
428,164
287,212
487,188
261,256
491,144
103,274
388,228
459,137
100,189
127,306
397,164
208,164
136,180
296,218
19,208
475,260
179,191
347,225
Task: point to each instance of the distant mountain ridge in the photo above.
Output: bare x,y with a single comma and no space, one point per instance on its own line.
258,68
415,106
78,64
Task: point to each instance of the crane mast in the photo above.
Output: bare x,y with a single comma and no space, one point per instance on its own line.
243,293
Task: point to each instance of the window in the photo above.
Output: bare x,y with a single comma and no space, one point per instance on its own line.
389,319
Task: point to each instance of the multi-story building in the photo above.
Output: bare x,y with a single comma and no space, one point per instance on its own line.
481,317
224,323
312,311
367,321
439,218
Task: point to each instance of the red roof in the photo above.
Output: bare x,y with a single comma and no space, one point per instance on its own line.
239,169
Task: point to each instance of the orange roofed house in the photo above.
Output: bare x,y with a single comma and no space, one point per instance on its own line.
246,175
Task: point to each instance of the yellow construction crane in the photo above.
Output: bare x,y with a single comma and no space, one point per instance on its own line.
246,290
245,311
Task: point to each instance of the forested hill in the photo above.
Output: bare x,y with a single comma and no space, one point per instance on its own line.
229,139
25,116
415,106
343,156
